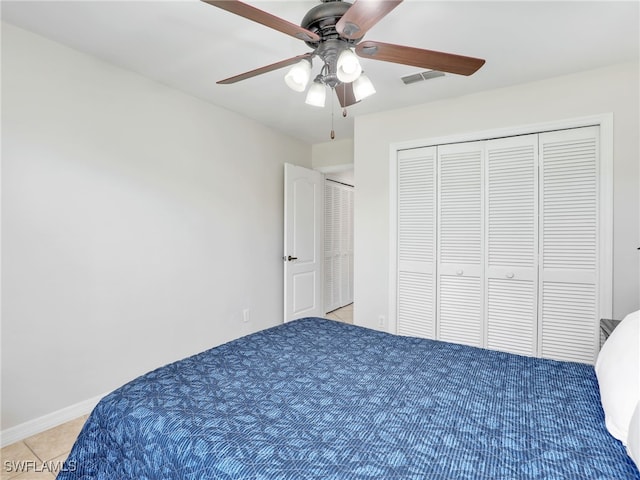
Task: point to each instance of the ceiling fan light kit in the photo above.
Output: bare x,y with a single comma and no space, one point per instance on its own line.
334,30
362,87
342,68
298,76
348,67
317,94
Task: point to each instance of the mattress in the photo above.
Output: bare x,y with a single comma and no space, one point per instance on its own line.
317,399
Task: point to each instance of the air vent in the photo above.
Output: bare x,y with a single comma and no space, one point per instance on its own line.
419,77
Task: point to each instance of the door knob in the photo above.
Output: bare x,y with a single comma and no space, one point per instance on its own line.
289,258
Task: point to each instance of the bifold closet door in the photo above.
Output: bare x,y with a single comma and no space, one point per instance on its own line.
511,244
460,243
332,272
338,245
569,225
416,203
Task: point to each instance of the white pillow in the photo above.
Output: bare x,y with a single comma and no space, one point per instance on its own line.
618,372
633,440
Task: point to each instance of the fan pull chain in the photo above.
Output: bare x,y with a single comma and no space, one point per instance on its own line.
333,133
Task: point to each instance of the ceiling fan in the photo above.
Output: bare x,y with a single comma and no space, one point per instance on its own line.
334,30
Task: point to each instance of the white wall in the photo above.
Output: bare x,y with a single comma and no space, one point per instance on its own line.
332,156
137,224
613,89
334,159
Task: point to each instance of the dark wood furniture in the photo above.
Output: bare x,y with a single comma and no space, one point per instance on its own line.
607,325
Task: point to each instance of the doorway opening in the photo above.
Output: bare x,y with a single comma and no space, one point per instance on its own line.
338,245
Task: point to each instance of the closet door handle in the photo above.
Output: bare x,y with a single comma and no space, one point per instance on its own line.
510,275
459,272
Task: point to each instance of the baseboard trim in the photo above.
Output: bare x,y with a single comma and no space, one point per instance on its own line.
40,424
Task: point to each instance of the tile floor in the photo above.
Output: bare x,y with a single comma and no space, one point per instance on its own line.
344,314
41,456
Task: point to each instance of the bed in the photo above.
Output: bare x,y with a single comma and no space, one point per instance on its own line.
318,399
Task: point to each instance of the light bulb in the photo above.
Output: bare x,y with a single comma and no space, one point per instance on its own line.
348,67
362,88
298,76
316,95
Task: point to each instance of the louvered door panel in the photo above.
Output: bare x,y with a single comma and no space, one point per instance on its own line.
338,260
337,242
460,243
460,204
330,301
511,244
415,311
569,236
460,310
511,315
416,242
568,326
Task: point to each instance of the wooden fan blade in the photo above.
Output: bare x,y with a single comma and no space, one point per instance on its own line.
264,18
268,68
344,91
363,15
417,57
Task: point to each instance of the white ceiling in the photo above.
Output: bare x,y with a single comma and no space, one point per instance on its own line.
190,45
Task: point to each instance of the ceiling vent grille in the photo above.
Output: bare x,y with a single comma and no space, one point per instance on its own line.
420,77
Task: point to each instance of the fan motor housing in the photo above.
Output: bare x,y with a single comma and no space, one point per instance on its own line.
322,20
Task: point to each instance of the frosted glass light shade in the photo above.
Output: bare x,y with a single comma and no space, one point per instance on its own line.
316,95
298,76
363,88
348,67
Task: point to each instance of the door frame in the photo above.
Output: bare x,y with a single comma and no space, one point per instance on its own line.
604,121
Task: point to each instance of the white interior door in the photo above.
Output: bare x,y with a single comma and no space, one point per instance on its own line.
569,261
416,293
303,224
460,243
511,239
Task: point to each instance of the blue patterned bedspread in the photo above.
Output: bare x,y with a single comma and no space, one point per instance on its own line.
317,399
